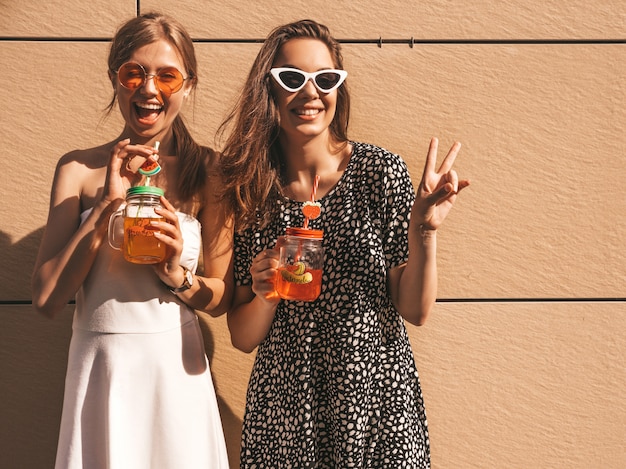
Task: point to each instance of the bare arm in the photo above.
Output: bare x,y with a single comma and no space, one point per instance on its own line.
413,285
254,307
68,249
211,292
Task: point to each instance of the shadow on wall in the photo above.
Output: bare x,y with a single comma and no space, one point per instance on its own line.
33,398
33,360
17,262
230,421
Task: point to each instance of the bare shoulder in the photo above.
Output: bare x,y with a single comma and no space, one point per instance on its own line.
216,225
214,173
89,157
80,173
212,190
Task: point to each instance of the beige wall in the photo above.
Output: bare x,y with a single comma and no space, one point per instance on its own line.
523,363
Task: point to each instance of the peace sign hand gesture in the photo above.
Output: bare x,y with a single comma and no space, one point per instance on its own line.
437,190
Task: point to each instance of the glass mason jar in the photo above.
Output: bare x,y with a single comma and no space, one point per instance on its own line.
131,229
299,275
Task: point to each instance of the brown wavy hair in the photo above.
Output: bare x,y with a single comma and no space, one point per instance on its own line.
147,29
252,156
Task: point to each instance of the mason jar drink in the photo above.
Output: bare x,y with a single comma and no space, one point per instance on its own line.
131,229
299,275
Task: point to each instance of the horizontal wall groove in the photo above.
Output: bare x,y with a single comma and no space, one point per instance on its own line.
446,300
375,41
532,300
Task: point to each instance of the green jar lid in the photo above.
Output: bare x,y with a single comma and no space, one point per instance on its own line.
144,190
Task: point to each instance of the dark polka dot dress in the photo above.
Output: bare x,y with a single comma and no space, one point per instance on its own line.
334,384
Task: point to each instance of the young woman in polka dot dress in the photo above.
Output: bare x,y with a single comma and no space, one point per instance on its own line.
334,384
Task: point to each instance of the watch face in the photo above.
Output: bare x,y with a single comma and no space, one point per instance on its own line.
188,277
187,282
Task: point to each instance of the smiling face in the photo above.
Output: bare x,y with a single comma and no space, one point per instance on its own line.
308,113
148,112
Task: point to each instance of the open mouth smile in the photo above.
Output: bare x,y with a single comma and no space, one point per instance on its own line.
148,111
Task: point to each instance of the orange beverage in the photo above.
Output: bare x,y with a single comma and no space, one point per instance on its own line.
305,286
300,264
140,244
130,230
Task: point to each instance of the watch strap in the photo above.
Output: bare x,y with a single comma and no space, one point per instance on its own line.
187,281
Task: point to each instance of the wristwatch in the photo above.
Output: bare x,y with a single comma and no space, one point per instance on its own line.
187,281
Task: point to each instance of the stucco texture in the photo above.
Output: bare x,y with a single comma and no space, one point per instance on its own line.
523,361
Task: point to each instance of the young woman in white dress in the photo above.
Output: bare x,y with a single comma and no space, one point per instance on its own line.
139,392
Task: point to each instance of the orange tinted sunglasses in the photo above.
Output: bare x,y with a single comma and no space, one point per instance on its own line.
168,80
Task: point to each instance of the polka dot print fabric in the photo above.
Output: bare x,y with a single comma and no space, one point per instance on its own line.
334,384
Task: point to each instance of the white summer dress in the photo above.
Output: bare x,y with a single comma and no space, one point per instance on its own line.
138,390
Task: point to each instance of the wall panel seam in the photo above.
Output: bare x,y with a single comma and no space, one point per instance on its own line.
446,300
375,41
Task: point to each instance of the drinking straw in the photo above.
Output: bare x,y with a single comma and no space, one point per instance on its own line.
316,181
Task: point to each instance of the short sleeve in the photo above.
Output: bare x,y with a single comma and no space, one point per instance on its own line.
399,198
243,257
